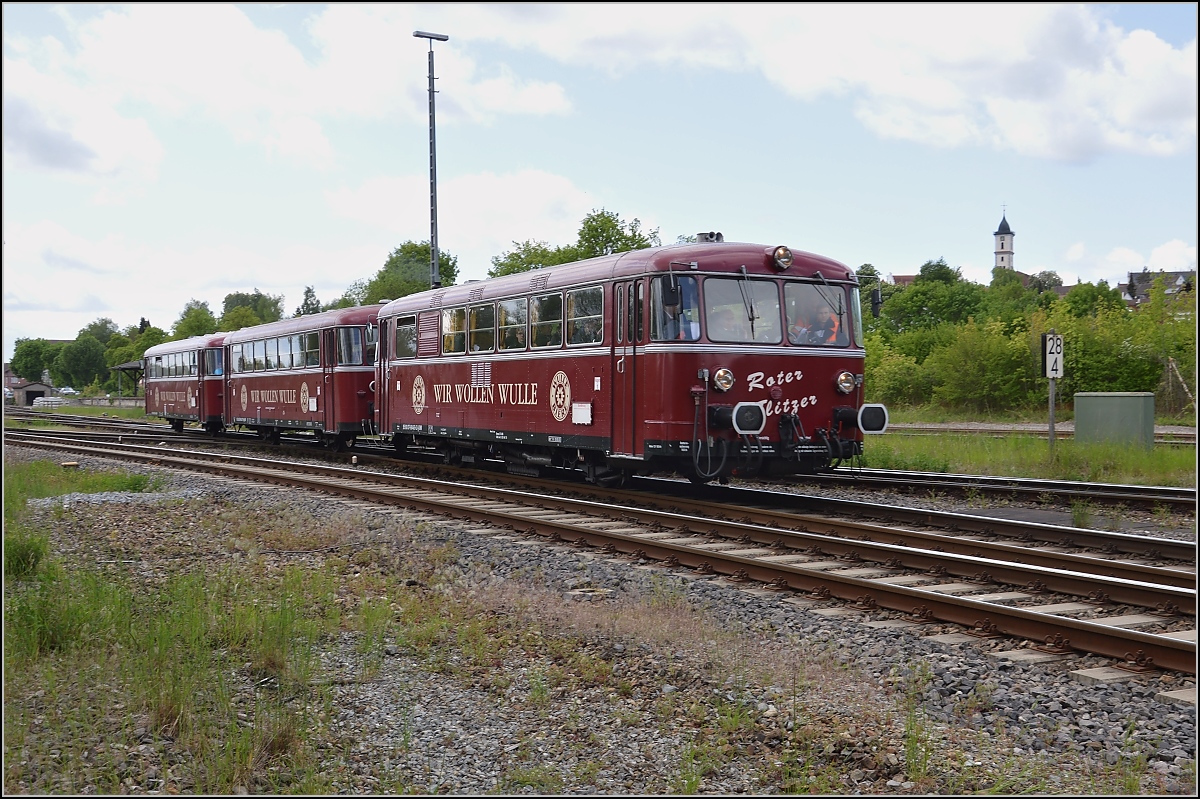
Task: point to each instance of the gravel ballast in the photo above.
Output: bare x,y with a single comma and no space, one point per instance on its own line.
409,728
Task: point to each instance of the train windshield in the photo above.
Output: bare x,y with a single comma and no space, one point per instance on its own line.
675,309
742,310
816,315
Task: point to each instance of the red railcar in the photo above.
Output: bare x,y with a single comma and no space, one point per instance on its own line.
700,359
312,373
185,381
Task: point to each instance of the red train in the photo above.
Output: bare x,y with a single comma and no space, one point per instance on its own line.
313,373
185,381
698,359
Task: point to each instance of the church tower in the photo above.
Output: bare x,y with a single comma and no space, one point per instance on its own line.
1004,244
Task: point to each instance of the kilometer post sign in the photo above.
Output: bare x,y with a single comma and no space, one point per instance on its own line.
1052,367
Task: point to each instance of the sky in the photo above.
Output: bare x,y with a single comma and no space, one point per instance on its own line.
159,154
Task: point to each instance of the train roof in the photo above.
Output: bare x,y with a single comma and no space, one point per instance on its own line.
358,315
708,257
186,344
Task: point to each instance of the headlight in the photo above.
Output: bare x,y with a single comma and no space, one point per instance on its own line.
845,382
723,379
783,258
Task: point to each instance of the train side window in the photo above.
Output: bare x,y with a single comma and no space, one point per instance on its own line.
483,328
312,349
674,309
454,330
235,358
214,362
585,315
406,336
350,346
193,365
260,355
639,312
271,354
370,340
514,318
619,304
545,320
285,352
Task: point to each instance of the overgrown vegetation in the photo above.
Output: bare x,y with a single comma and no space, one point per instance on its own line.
191,661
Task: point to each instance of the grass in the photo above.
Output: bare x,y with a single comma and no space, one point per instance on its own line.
1028,456
202,674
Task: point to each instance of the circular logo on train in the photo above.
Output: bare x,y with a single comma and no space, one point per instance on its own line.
560,396
304,396
418,394
245,396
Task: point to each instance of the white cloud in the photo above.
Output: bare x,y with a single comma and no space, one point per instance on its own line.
481,214
1075,252
1174,256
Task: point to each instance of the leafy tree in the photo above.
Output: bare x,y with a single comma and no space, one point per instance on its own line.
237,317
196,320
143,324
310,304
80,362
529,255
603,233
266,307
938,272
1086,299
931,302
984,369
1045,281
868,277
600,233
101,329
405,272
32,357
352,297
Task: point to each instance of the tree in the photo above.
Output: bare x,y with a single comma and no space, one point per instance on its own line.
1045,281
600,233
196,320
238,317
266,307
32,357
1086,299
406,271
352,297
868,276
938,272
102,329
930,302
79,363
310,304
603,233
528,255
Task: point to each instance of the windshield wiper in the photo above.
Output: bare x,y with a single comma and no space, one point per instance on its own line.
746,300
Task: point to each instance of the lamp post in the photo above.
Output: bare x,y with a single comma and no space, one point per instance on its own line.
435,276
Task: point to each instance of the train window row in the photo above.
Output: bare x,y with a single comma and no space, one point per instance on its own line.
281,352
538,322
175,364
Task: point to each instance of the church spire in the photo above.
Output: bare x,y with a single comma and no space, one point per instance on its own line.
1004,243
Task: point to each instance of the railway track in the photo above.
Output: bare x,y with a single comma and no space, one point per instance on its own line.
1065,431
909,482
1138,610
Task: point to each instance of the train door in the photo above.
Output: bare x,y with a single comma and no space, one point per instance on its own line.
627,305
326,396
383,378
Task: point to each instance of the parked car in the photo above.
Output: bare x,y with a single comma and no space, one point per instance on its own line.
67,391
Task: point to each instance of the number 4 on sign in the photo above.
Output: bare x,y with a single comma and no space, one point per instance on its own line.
1052,354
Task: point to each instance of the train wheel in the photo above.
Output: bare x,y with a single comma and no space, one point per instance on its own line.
177,425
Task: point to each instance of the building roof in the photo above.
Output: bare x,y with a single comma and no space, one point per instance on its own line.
1004,228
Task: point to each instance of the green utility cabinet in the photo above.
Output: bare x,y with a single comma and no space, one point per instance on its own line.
1125,417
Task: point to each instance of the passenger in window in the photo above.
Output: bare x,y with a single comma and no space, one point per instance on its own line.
826,327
